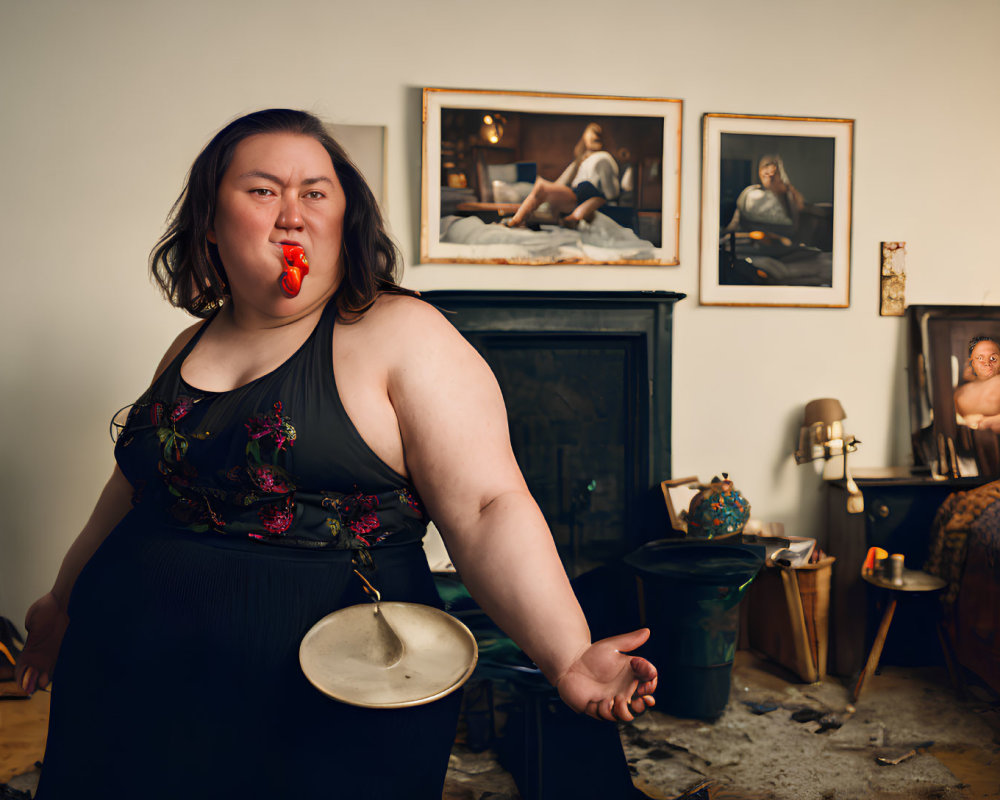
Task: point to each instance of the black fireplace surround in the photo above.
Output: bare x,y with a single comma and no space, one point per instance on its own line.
586,380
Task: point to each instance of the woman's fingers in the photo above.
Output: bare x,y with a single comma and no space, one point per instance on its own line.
29,680
645,673
32,679
622,711
642,703
603,709
607,684
595,709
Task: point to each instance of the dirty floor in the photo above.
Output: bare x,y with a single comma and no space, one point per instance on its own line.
947,748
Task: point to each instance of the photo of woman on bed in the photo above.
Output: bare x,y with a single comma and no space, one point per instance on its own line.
590,180
550,188
568,218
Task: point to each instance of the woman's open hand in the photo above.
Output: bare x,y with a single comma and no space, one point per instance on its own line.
607,683
46,624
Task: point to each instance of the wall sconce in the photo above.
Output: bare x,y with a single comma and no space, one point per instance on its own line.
491,131
822,436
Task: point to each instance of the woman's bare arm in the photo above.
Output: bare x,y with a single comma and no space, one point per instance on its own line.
567,175
454,431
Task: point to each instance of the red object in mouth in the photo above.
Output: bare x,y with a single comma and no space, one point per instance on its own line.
297,269
291,281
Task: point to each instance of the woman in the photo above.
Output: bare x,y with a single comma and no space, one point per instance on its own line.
584,186
762,240
283,443
773,204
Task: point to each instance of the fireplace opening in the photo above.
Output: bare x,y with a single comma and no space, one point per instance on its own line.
573,416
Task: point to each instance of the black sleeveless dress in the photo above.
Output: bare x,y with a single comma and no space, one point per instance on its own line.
179,675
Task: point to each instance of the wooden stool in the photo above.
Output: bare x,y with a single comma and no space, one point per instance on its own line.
913,581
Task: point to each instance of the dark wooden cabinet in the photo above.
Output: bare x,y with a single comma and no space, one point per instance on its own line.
899,512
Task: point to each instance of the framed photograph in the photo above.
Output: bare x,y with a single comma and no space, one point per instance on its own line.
776,211
534,178
678,494
954,389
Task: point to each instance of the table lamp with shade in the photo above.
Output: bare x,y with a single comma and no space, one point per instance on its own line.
822,436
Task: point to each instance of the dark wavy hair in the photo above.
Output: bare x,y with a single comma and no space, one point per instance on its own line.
187,267
977,339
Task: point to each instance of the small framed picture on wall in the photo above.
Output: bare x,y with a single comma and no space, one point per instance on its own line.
776,211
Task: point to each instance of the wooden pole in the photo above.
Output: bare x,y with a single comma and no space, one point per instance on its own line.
876,651
800,635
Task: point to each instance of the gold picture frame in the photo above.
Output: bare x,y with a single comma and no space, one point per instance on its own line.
484,150
776,211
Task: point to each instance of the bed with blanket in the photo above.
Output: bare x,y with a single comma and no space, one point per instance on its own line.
965,551
602,240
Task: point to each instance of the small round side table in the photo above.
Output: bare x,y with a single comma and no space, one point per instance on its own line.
913,581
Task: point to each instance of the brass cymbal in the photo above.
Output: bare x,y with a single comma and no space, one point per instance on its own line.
388,655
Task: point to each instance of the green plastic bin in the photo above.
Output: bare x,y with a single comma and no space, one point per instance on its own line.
691,597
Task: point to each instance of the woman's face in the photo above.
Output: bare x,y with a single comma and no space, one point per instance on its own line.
592,137
769,174
985,359
281,188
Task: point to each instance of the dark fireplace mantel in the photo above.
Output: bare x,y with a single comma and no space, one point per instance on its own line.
586,377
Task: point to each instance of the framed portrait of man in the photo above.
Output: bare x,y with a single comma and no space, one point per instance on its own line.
954,389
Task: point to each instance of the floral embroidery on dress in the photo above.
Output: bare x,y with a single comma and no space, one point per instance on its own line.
406,497
260,480
354,518
366,523
269,437
278,517
274,427
256,497
270,479
178,475
173,446
197,513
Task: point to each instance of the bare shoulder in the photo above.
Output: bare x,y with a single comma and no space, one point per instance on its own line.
422,354
406,326
402,310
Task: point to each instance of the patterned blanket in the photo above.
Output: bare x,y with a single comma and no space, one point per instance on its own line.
974,512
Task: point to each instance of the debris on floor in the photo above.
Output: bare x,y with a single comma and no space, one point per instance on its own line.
761,708
777,756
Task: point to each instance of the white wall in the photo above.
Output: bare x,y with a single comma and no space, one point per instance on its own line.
105,104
